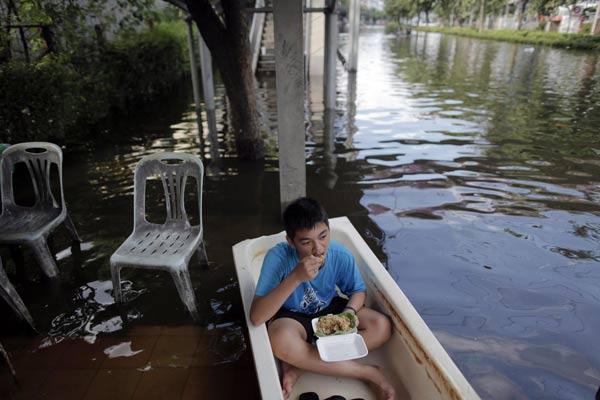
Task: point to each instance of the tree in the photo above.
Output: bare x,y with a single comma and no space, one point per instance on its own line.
546,7
63,25
481,15
425,6
226,33
444,10
399,9
519,11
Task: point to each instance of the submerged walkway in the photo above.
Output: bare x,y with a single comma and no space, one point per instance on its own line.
164,363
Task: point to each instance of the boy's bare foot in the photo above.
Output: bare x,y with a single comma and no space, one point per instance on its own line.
381,386
290,376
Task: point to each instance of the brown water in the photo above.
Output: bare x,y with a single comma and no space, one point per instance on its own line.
471,167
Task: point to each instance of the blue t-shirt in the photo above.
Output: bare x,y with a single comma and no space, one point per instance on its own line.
310,297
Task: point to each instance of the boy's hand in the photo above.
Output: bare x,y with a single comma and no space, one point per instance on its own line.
308,268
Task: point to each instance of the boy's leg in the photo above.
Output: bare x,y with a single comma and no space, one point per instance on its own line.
288,340
374,327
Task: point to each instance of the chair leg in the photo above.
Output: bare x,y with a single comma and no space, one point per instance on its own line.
17,256
71,228
44,257
8,292
183,283
115,272
7,359
201,252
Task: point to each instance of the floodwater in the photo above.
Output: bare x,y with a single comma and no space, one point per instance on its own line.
470,167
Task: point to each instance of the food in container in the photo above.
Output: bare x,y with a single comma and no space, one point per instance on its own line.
337,324
337,337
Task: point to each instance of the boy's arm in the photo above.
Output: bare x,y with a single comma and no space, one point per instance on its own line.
356,301
264,307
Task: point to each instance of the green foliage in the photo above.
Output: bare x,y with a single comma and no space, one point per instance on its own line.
555,39
445,8
586,28
371,14
547,7
73,22
37,99
169,14
461,10
391,27
61,96
542,26
142,65
398,9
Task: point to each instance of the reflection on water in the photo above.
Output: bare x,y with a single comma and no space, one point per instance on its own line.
470,167
480,165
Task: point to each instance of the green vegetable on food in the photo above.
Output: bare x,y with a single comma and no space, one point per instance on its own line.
350,316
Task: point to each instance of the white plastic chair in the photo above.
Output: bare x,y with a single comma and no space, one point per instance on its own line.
8,292
168,246
32,225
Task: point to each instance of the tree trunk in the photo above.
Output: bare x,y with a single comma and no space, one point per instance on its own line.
521,5
481,15
229,45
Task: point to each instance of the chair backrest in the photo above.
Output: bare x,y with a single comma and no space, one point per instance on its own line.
38,157
173,169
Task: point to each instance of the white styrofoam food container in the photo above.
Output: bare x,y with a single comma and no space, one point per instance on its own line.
340,347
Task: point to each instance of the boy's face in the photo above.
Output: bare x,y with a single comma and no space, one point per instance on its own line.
313,241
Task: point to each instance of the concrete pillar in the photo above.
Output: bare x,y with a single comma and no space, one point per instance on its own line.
289,81
194,69
354,22
331,45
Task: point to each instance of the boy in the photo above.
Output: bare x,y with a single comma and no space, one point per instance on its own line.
297,283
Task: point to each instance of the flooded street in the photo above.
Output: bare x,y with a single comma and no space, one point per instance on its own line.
470,167
481,162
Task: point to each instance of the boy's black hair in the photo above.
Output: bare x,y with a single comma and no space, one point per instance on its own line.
303,213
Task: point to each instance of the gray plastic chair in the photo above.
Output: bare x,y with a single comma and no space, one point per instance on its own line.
8,292
167,246
32,225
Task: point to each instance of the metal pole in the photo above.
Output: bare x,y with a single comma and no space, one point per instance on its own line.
208,90
256,30
352,63
331,33
194,68
308,17
207,75
350,110
329,156
289,81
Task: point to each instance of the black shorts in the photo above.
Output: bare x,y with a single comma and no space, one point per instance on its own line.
336,306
